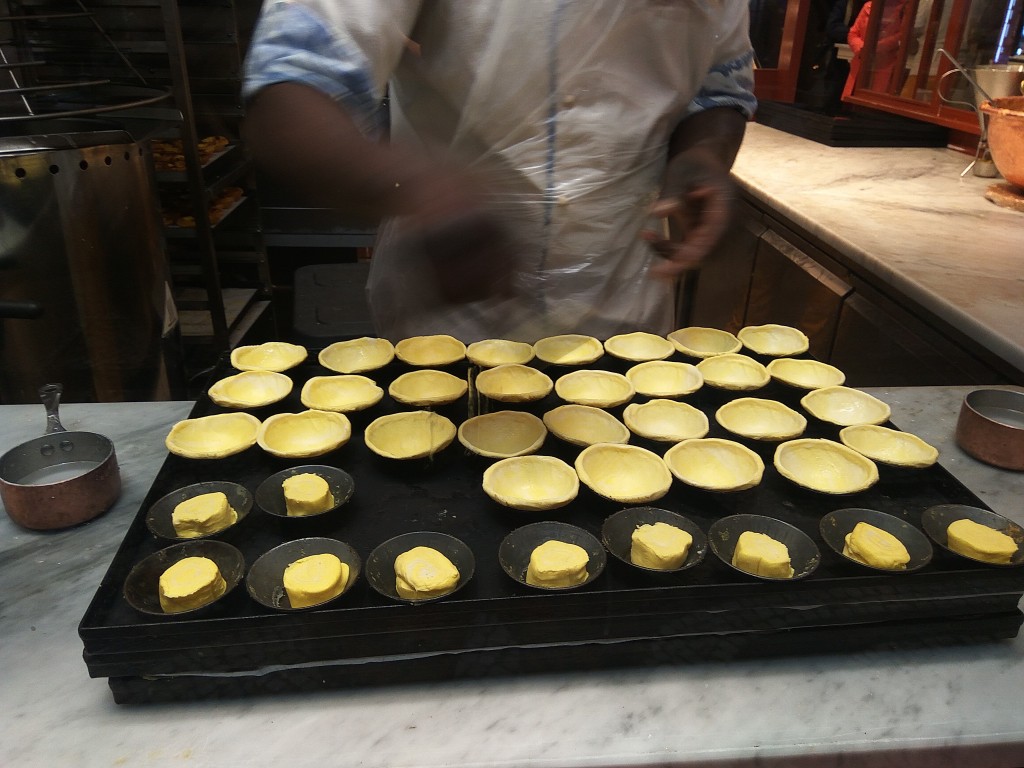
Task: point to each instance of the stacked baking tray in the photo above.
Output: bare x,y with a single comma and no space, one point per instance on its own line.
496,626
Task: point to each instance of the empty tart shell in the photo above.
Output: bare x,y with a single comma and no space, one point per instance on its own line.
427,351
696,341
733,371
409,435
603,389
344,393
805,373
585,425
773,340
274,356
503,434
304,434
825,466
514,383
357,355
250,389
427,387
531,483
569,349
760,419
889,446
662,378
624,473
639,346
666,420
213,437
491,352
715,464
845,406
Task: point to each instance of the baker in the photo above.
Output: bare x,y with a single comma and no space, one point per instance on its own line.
526,158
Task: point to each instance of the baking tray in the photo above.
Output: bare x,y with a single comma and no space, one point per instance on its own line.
497,626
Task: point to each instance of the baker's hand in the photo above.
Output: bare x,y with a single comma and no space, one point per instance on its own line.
696,200
465,242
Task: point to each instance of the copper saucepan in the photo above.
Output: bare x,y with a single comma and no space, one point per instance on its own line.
60,479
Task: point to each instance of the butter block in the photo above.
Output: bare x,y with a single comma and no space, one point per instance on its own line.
306,494
190,583
659,546
975,540
315,579
761,555
875,547
557,564
202,515
423,572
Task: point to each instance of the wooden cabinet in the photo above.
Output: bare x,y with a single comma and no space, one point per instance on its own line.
766,272
792,286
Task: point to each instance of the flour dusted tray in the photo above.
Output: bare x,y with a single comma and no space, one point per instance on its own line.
495,626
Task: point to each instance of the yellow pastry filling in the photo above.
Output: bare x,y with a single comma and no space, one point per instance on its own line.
202,515
306,494
761,555
660,546
972,539
315,579
557,564
190,583
424,572
875,547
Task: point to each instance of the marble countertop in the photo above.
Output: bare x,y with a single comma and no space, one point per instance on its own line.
906,217
930,707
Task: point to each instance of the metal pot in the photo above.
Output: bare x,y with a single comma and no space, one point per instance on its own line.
60,479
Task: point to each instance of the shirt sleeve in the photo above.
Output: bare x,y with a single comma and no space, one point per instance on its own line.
730,80
346,50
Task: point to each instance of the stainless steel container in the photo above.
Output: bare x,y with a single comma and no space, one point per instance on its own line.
84,292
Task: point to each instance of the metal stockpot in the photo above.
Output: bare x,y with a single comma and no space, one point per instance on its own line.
60,479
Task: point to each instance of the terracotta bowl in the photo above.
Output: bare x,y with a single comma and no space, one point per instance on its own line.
1006,136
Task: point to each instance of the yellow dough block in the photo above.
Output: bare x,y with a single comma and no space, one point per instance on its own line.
424,572
306,494
557,564
761,555
202,515
875,547
315,579
660,546
190,583
980,542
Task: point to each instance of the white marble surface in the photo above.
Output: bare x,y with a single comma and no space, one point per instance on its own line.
906,216
930,707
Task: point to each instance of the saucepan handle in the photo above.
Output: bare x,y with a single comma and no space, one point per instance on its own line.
50,395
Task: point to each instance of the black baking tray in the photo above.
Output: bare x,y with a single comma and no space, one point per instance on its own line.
495,625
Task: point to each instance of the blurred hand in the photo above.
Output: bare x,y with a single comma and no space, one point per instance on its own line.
465,242
696,199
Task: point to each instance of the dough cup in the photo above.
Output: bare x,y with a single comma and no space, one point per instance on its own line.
250,389
623,473
663,378
569,349
409,435
430,351
639,346
513,383
825,466
273,356
773,340
503,434
357,355
760,419
346,393
602,389
304,434
213,437
531,483
845,406
715,464
733,372
889,446
666,420
493,352
699,342
585,425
